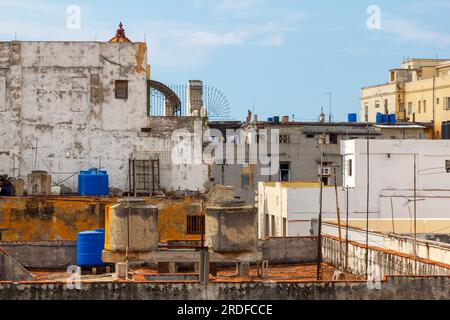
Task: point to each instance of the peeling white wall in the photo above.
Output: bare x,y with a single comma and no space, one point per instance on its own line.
61,95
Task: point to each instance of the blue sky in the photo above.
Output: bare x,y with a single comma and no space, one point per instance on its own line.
279,55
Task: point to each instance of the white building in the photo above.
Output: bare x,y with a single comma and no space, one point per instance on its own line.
82,104
391,204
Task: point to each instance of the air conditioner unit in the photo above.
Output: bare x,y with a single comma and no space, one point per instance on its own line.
326,171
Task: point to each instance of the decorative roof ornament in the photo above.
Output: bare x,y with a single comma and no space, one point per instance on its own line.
120,36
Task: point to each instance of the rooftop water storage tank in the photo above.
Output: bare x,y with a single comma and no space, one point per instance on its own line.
352,117
445,131
89,248
231,227
270,120
93,183
131,220
392,119
276,120
379,117
6,191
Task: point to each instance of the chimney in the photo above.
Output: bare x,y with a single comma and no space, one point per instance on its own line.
194,97
249,117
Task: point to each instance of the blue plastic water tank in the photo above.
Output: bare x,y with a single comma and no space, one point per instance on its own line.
352,117
276,120
379,117
90,245
385,118
93,183
6,191
392,119
270,120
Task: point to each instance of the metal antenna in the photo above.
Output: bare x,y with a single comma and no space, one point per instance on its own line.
331,102
35,155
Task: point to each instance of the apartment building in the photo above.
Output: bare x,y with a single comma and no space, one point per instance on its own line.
418,91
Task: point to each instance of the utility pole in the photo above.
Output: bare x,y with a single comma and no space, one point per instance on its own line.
368,195
319,241
415,212
347,236
392,214
338,213
434,108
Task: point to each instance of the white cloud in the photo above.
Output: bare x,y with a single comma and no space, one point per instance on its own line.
33,6
270,34
174,44
407,30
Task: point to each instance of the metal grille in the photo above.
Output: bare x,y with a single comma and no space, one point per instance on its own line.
215,102
145,177
195,224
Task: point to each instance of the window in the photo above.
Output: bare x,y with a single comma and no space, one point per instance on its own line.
350,168
273,233
437,101
447,166
284,139
333,139
195,224
266,226
121,89
420,107
447,103
410,107
247,180
424,106
386,106
310,136
285,172
377,104
285,227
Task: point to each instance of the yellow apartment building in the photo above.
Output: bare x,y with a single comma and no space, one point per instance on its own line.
419,91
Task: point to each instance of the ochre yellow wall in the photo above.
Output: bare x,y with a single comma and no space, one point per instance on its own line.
46,219
40,219
423,90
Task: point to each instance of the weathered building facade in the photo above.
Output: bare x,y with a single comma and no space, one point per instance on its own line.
71,106
299,151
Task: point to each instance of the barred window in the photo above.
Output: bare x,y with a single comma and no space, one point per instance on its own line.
121,89
195,224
